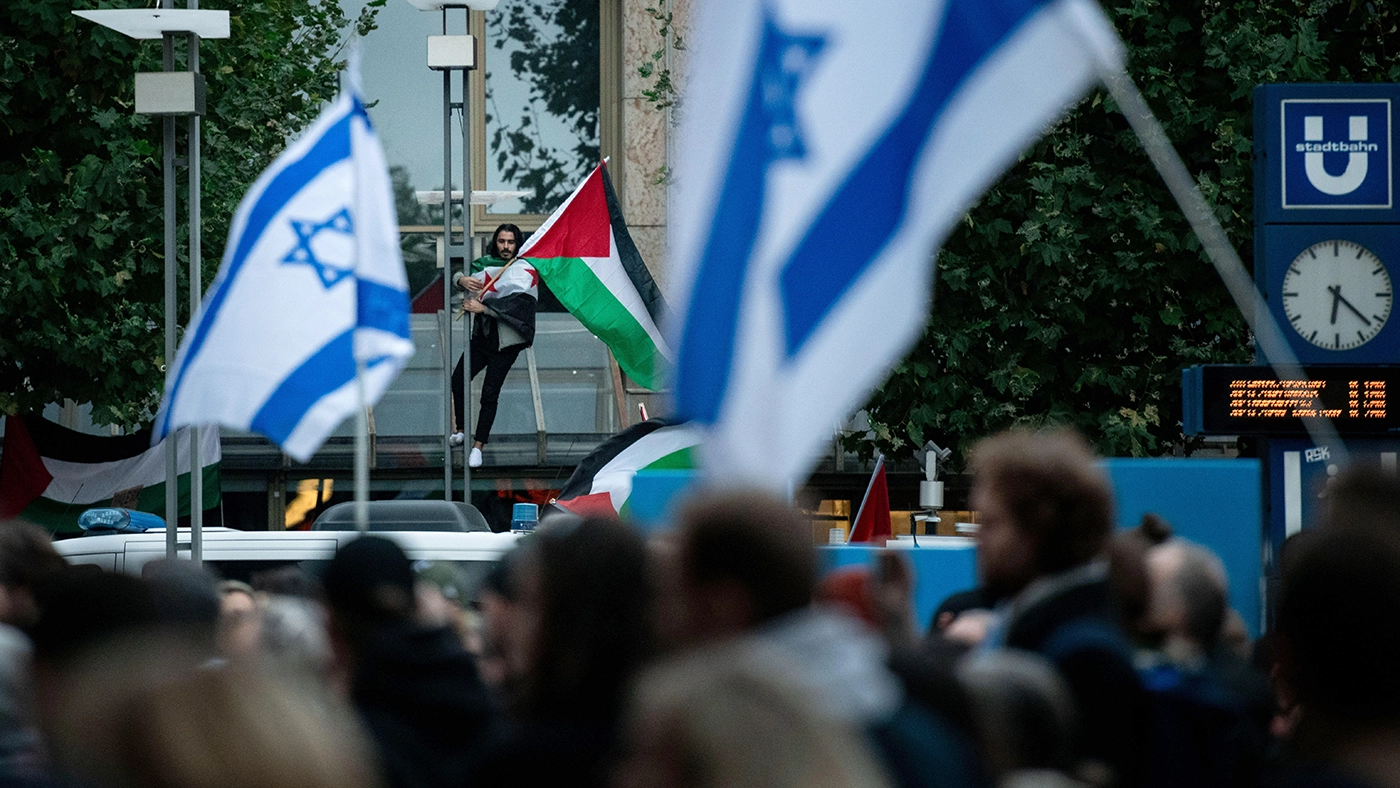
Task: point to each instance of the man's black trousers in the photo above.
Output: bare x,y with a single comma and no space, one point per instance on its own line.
496,363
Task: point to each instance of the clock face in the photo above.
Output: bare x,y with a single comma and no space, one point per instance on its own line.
1337,295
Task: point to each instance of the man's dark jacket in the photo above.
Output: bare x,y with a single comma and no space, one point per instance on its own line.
1075,628
419,694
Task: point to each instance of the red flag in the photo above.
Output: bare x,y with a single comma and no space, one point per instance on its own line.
872,523
23,476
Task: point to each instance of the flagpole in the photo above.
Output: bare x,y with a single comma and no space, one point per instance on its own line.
1216,244
467,432
361,451
447,354
196,291
172,443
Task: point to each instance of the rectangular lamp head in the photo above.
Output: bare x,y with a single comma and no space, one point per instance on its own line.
447,53
148,23
438,5
169,93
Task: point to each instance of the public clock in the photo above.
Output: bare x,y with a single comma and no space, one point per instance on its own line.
1337,295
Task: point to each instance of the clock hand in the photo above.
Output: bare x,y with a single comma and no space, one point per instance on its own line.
1354,310
1336,301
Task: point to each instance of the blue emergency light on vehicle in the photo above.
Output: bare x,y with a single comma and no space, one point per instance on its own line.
112,519
524,517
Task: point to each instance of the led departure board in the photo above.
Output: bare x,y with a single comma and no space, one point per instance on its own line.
1247,400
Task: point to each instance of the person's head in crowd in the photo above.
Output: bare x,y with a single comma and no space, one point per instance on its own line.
240,620
83,611
27,558
369,584
580,626
96,632
742,559
1365,495
124,725
187,601
1338,645
1043,504
292,636
497,598
505,242
441,596
725,719
1127,562
1189,597
1023,710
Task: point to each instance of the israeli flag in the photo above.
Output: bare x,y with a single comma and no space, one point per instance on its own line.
311,282
825,153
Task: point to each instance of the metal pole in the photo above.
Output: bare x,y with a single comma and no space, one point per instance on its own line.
172,474
467,442
361,452
196,292
447,283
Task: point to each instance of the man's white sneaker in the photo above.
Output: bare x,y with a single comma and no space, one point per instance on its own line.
456,439
474,459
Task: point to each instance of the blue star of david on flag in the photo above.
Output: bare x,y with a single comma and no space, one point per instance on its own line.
822,168
786,62
303,254
767,133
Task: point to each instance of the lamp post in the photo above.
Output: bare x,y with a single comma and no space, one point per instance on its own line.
171,94
449,53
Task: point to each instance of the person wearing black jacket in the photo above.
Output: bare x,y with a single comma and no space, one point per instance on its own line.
503,325
415,688
1045,515
578,629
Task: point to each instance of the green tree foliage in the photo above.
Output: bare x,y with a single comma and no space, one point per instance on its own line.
1074,292
554,49
81,249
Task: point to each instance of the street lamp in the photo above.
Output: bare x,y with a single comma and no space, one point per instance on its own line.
171,94
448,53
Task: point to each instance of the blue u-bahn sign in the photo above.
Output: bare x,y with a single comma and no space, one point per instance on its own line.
1337,153
1327,153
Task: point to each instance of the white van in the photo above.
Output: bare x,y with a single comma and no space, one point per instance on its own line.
237,555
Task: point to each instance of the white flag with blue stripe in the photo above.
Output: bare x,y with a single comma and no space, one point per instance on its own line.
311,282
826,151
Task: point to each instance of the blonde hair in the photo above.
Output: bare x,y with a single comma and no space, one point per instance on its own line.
178,726
723,718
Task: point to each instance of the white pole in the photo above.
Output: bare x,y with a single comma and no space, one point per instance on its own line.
1216,244
361,452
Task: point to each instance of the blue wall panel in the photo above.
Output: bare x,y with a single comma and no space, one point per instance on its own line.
1217,503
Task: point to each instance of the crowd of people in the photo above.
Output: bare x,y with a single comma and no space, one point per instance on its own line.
717,654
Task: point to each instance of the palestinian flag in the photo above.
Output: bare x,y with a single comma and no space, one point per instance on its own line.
602,482
512,292
50,474
584,254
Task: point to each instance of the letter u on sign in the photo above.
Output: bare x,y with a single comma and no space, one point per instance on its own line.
1355,173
